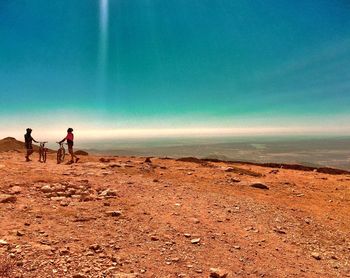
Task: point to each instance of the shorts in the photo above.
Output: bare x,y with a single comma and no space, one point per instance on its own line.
29,146
70,144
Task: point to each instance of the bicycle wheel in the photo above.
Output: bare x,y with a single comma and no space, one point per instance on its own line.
59,156
63,155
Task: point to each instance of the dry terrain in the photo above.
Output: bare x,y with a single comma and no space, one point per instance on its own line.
124,217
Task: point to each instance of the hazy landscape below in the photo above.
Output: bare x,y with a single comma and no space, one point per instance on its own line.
314,151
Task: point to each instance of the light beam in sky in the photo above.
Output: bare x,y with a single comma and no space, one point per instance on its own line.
103,44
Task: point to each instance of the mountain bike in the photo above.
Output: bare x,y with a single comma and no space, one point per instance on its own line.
42,152
61,152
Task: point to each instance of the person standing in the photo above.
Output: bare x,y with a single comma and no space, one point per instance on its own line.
70,142
28,141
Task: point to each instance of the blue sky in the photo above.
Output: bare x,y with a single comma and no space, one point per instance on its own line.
118,64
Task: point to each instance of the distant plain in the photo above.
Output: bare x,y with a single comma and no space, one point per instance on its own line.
310,151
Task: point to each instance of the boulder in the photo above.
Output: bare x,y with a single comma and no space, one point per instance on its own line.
259,185
15,189
218,273
6,198
80,152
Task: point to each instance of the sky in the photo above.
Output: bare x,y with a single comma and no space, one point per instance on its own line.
147,67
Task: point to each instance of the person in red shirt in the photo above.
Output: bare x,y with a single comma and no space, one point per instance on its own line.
70,139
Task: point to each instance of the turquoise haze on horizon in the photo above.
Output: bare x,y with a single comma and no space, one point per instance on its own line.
174,63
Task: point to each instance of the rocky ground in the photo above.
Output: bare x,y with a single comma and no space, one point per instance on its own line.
124,217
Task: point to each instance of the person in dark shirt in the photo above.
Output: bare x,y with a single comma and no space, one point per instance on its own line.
28,141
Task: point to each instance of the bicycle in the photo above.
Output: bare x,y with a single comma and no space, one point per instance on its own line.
42,152
61,152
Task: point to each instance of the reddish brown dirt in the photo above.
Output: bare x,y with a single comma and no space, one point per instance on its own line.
298,228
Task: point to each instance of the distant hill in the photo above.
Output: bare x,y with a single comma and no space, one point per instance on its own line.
11,144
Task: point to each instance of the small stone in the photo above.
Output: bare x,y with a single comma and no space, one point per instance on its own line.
218,273
79,275
259,185
279,230
316,255
64,203
15,189
195,220
237,247
46,189
6,198
20,233
95,247
58,198
229,169
195,240
148,160
108,193
114,213
333,257
124,275
275,171
187,235
154,238
63,251
76,196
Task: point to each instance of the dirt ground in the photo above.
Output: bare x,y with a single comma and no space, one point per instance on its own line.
123,217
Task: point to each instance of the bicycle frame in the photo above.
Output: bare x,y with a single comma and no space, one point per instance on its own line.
61,152
42,152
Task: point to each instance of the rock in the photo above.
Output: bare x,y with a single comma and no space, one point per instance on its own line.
108,193
20,233
237,247
316,255
80,152
96,248
63,251
114,213
279,230
275,171
218,273
154,238
46,189
58,198
79,275
3,242
124,275
234,180
104,160
195,240
15,189
64,203
229,169
148,160
6,198
259,185
195,220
